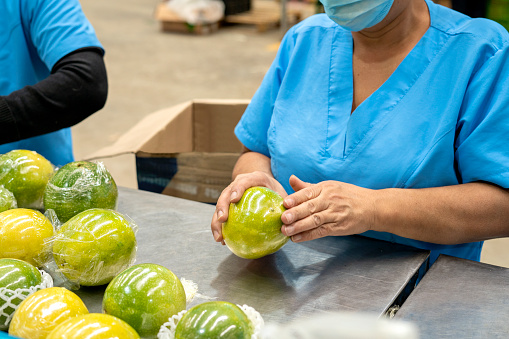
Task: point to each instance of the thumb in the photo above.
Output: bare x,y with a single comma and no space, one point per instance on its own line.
298,184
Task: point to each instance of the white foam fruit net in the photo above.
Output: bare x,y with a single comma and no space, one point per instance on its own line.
167,330
10,299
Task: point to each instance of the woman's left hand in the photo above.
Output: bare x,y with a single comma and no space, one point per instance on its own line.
327,208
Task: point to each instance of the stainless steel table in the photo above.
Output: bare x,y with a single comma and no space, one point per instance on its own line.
333,273
460,298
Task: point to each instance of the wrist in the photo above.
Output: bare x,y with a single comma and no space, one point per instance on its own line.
381,210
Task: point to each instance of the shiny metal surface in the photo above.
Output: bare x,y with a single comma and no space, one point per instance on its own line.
460,298
333,273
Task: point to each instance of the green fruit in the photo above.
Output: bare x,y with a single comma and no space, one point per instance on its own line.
15,274
253,228
7,199
145,296
79,186
94,246
214,319
25,173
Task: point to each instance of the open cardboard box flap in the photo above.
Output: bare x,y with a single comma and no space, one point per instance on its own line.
203,125
187,151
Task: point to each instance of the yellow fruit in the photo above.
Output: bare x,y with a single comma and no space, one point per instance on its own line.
253,228
22,234
44,310
93,326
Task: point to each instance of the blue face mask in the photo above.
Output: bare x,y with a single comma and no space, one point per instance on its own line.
355,15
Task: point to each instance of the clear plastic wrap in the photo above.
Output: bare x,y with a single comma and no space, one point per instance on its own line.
23,233
7,199
79,186
91,248
25,173
167,330
10,299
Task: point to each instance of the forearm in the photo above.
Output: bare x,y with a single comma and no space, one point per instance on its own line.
76,88
251,162
444,215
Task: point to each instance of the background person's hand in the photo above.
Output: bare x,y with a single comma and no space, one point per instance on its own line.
327,208
234,192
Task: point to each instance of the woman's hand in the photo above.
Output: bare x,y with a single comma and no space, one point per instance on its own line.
234,192
327,208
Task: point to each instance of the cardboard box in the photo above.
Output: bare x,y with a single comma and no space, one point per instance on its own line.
186,151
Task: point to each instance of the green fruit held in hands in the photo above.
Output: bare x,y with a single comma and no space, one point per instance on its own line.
79,186
14,274
253,228
94,246
214,319
145,296
25,173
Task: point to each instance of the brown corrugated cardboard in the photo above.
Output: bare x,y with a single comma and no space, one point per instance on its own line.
187,150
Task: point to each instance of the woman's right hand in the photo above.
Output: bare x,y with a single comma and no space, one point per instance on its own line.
234,192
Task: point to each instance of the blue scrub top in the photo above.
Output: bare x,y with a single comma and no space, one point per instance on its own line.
442,117
34,36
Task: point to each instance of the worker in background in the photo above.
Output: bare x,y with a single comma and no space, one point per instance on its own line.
386,118
52,75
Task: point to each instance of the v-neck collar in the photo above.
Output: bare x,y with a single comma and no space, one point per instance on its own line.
352,131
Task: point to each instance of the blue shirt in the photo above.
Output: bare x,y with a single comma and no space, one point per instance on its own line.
34,36
442,117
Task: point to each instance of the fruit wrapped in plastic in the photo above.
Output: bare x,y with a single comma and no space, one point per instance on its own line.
253,227
79,186
25,173
18,280
23,235
44,310
92,247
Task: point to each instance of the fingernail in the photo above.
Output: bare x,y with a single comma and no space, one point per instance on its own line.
216,235
219,214
296,237
289,230
289,218
289,202
233,195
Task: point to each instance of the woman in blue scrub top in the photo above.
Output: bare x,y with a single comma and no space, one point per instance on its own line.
386,118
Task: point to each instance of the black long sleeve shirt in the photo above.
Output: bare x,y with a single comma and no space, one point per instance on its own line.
76,88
